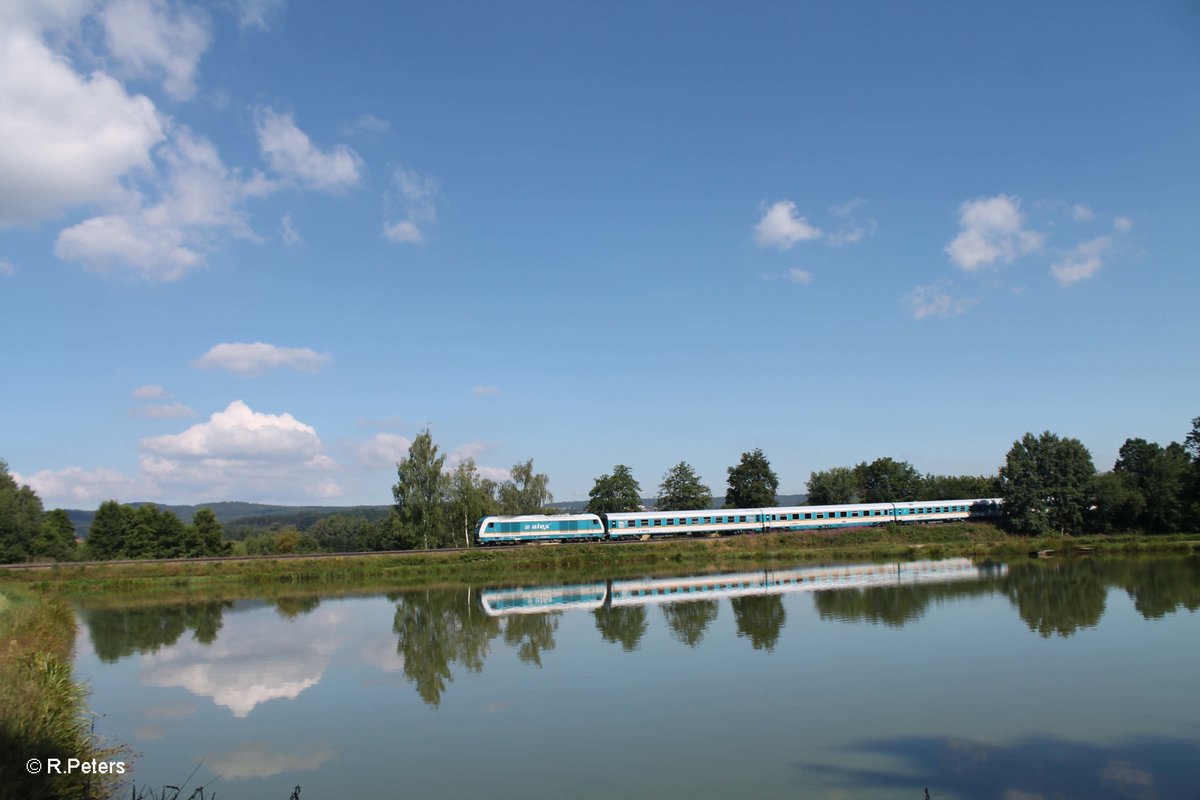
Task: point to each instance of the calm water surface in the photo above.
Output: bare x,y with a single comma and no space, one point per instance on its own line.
1031,679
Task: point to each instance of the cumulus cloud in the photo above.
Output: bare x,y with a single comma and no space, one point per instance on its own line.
154,39
239,433
992,230
382,450
288,232
68,140
936,300
255,358
293,156
199,205
415,194
780,227
258,13
174,410
485,391
76,487
1083,262
796,275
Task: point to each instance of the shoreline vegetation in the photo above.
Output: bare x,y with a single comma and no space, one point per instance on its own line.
549,563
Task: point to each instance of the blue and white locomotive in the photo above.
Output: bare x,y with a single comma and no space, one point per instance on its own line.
647,524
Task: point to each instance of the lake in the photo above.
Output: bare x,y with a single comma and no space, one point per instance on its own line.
1027,679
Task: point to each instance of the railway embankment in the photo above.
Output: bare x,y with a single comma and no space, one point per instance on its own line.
530,563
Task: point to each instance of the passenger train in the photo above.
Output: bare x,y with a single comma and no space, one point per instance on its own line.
650,524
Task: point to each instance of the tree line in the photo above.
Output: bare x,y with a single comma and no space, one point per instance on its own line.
1049,485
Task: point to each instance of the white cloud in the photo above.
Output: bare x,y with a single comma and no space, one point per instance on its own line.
855,228
174,410
255,358
1122,224
485,391
7,269
258,13
150,391
382,450
796,275
152,39
1081,263
1082,213
199,204
367,125
239,433
293,156
936,300
287,231
780,227
991,231
76,487
416,195
68,140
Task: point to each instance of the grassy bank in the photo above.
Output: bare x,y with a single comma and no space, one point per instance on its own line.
560,562
42,709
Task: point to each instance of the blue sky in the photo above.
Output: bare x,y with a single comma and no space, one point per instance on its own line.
249,249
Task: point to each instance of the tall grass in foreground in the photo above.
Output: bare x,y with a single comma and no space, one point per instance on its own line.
42,708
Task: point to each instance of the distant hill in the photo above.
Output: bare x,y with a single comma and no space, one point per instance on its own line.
239,518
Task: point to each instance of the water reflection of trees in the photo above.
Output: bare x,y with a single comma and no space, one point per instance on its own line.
688,621
760,619
623,625
1059,597
892,605
119,632
439,627
292,607
531,634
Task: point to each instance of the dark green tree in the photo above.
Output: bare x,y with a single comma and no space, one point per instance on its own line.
886,480
681,490
1119,505
525,492
20,518
1047,484
616,492
956,487
832,487
1160,476
209,534
57,537
752,483
420,493
106,535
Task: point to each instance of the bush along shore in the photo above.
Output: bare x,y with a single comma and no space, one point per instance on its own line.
43,709
552,562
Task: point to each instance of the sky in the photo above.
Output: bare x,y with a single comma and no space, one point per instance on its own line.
249,249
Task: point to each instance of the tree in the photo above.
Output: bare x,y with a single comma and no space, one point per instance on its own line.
106,535
20,518
208,533
952,487
614,493
1046,484
681,490
56,538
886,480
832,487
525,492
752,483
472,497
420,492
1119,505
1160,476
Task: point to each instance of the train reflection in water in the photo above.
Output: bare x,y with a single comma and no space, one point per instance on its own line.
589,596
